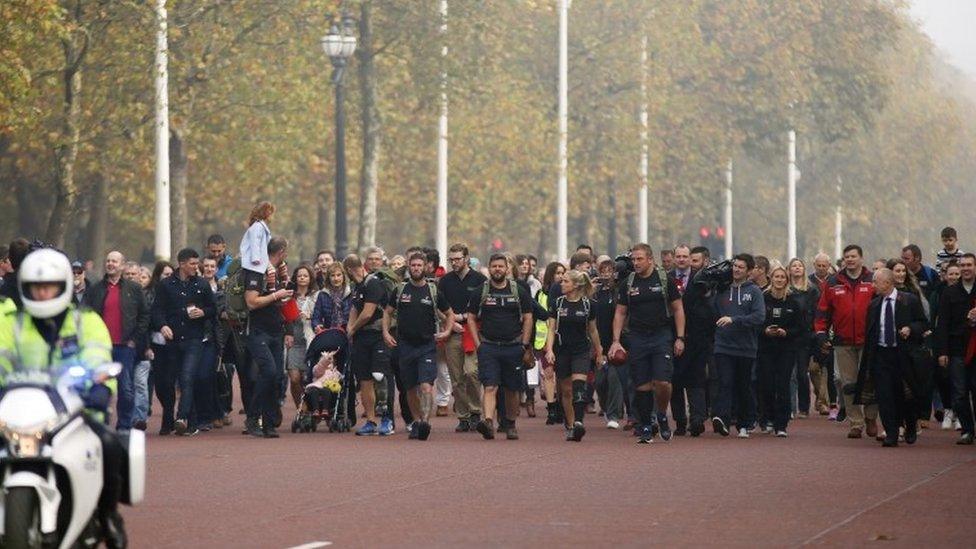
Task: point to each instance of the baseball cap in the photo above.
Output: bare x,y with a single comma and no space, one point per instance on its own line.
77,266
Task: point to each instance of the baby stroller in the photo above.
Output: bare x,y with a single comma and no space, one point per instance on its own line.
322,403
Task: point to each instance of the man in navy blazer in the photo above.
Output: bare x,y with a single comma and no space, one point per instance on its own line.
894,325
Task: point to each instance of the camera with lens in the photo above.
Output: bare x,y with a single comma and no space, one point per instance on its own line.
623,265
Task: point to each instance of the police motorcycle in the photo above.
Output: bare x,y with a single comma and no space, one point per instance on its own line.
51,459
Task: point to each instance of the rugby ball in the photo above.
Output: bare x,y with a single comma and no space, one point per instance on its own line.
618,358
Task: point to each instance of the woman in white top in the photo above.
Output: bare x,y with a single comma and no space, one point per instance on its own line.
254,244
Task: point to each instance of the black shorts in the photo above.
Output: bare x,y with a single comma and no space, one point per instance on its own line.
568,363
369,354
417,363
500,365
650,356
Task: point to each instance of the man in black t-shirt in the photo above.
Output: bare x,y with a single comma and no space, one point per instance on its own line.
415,304
503,343
457,287
265,338
649,303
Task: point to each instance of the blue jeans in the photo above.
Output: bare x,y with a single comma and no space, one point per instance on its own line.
268,353
126,356
186,359
141,383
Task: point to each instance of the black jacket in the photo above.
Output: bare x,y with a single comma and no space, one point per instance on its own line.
786,313
700,314
172,298
908,312
952,328
135,311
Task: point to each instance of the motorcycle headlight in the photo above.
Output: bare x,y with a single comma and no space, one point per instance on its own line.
24,443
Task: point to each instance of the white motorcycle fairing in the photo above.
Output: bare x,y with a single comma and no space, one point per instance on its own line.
47,494
79,451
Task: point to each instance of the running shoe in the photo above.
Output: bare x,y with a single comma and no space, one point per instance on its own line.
743,432
613,424
368,429
947,419
646,435
966,439
569,434
781,434
180,427
511,433
719,426
463,426
423,430
665,429
412,430
578,431
486,428
696,429
386,427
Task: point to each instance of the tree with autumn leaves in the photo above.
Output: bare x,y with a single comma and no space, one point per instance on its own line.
252,118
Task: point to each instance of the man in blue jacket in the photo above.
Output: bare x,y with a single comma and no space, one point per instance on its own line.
741,313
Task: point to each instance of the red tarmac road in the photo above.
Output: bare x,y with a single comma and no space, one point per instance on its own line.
222,489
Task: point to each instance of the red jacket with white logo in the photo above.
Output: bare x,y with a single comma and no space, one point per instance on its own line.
844,305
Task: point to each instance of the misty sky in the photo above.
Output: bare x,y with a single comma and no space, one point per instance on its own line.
949,23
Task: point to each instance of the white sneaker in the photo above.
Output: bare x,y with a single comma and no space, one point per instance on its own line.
957,425
743,433
612,424
781,434
947,420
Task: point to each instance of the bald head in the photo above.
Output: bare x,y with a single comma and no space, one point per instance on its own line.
884,281
113,264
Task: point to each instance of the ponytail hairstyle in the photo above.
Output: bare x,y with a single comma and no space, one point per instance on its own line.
583,283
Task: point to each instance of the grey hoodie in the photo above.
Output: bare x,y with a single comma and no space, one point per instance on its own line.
744,304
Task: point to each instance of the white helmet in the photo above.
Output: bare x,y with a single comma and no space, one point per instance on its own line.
45,265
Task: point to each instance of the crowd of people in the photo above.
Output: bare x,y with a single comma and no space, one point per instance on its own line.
660,347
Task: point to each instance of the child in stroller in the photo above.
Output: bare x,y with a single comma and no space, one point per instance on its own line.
325,382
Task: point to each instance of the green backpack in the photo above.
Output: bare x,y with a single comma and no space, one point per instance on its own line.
234,292
663,275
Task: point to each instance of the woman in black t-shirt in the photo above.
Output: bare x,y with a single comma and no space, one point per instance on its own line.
778,343
571,343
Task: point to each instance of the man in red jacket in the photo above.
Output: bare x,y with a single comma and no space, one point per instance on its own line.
843,307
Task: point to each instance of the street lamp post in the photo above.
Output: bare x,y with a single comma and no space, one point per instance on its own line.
339,45
562,200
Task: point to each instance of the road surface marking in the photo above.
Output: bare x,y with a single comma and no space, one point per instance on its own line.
312,545
894,496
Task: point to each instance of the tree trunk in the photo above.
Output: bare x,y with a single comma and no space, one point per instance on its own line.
369,174
178,182
98,218
67,148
